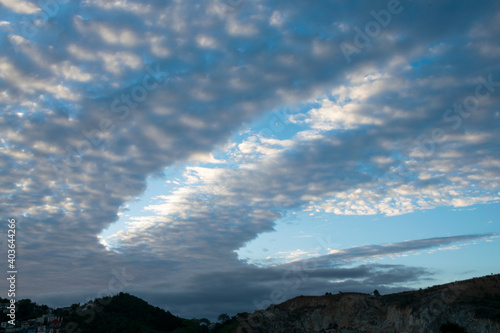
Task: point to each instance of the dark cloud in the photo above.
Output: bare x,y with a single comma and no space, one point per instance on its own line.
375,251
200,288
251,289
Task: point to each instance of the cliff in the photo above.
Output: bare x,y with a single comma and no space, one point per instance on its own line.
472,304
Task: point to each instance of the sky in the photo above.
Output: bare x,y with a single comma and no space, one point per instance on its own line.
220,156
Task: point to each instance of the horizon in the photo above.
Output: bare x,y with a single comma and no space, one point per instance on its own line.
220,156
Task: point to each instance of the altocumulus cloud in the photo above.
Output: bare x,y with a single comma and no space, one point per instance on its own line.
97,96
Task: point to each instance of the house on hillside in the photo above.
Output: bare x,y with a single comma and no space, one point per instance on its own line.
44,319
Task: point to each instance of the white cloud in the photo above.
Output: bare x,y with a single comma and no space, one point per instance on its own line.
20,6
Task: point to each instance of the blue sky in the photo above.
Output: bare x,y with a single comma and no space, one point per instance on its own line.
197,153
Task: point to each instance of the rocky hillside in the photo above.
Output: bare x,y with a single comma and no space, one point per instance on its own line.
471,306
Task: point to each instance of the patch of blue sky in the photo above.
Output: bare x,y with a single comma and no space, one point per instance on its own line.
420,62
209,58
157,185
282,114
446,263
274,125
327,231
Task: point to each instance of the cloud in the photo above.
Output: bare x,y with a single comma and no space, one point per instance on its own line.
22,7
254,288
379,251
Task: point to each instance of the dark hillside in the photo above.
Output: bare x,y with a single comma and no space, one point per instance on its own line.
471,306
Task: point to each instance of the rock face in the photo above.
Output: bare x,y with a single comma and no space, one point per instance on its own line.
473,304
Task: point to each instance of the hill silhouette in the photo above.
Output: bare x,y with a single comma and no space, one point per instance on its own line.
471,306
122,313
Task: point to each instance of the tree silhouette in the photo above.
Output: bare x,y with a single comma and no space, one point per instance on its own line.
223,317
204,321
